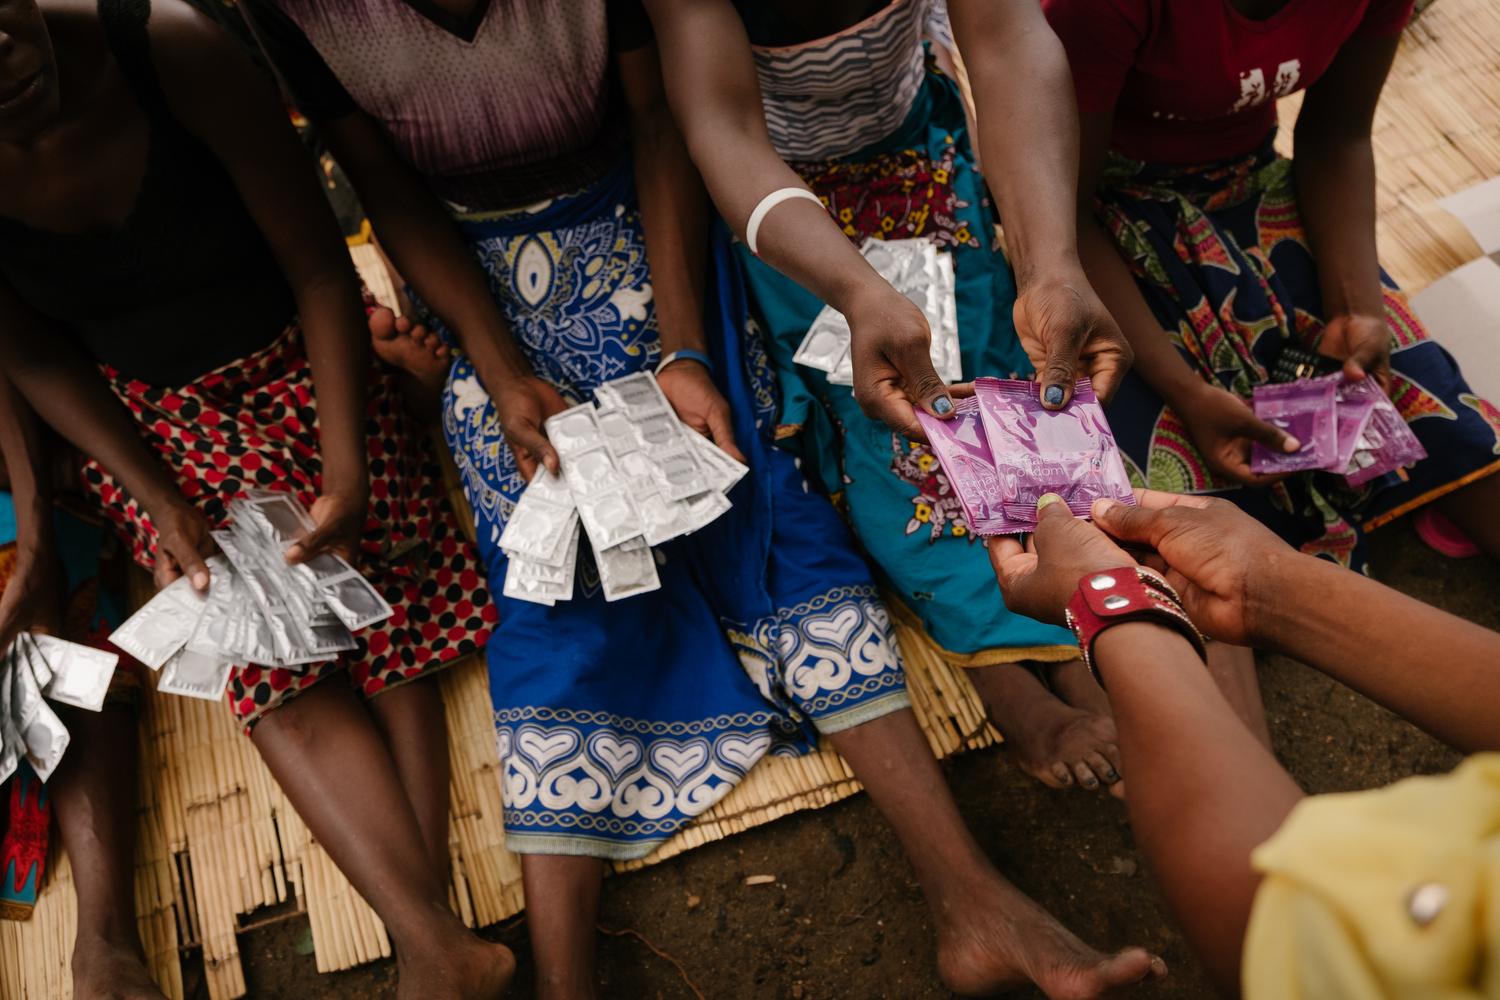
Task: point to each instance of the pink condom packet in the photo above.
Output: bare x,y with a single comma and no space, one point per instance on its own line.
1070,452
1307,411
1353,408
964,454
1386,443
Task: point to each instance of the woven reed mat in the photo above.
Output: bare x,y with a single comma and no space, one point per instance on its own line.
218,841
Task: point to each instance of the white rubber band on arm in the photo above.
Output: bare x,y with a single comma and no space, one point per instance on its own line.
769,202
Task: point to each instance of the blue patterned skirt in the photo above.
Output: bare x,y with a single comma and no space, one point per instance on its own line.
617,723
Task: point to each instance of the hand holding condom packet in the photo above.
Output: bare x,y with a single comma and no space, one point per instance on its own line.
1004,450
1345,426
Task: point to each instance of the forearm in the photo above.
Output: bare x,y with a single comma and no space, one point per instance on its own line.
338,347
1436,670
674,214
1157,359
1203,792
1028,137
67,391
23,443
1335,180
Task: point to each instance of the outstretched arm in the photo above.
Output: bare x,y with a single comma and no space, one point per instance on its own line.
714,93
1335,175
674,214
1203,791
62,385
1028,141
235,109
1242,584
31,596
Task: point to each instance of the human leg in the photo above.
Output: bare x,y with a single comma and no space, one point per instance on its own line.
1050,739
1233,669
991,936
94,795
414,728
362,817
562,907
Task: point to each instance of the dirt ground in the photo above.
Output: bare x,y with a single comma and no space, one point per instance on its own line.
844,918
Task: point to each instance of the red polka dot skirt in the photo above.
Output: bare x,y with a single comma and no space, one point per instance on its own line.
254,423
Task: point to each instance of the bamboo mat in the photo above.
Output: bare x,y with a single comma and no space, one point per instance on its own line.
219,842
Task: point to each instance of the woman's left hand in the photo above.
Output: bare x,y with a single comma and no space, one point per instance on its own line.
340,524
692,393
1039,578
1068,334
1363,343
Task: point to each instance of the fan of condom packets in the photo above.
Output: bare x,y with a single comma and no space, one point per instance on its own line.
633,476
1002,451
1346,427
258,609
917,270
35,669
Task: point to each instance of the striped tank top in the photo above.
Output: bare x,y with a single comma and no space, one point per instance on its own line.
832,96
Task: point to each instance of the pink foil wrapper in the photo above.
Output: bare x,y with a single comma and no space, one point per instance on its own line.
1386,443
1353,409
964,454
1307,411
1070,452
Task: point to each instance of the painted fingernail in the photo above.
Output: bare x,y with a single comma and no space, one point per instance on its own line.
1091,783
1291,444
942,406
1046,500
1111,776
1053,394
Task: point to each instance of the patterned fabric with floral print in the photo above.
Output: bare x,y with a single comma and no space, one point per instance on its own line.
254,423
919,182
1220,254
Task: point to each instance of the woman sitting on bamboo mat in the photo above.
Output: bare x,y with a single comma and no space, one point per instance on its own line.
1217,255
160,233
1385,893
826,99
50,581
619,722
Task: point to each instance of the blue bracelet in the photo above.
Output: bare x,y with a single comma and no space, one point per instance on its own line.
686,354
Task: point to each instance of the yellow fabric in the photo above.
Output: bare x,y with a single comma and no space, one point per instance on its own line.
1332,919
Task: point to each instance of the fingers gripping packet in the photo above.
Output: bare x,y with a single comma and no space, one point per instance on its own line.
1307,411
1070,452
964,453
1386,443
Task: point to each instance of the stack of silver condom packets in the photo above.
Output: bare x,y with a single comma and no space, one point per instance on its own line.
633,476
37,668
258,608
917,270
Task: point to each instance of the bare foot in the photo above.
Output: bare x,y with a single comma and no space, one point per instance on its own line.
106,971
1059,745
411,348
469,969
1006,940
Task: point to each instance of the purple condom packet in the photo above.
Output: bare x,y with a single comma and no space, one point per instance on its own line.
964,454
1353,408
1386,442
1307,411
1070,452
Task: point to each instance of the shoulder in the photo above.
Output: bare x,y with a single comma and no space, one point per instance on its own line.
194,56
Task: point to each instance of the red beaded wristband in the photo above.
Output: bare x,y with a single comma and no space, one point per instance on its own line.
1116,596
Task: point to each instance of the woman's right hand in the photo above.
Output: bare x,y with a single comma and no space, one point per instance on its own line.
1222,562
523,403
1223,426
182,544
891,349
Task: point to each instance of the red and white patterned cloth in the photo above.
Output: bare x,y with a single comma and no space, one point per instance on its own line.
254,423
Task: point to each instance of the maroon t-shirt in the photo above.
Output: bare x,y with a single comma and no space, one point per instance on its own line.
1194,81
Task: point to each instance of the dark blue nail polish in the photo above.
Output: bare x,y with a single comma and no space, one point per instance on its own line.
1053,394
942,406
